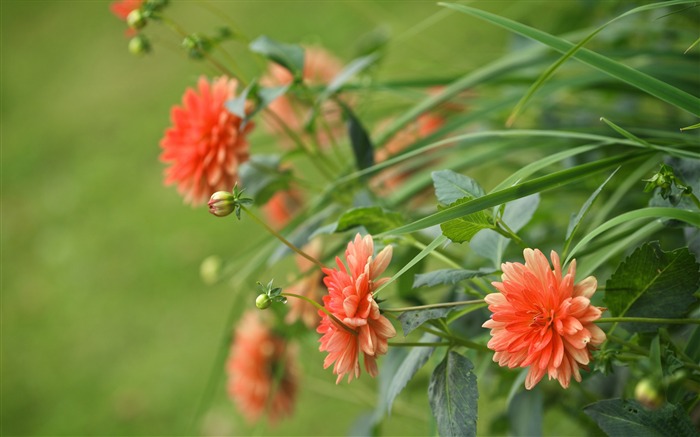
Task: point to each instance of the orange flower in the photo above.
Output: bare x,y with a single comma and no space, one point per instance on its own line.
206,143
542,320
282,206
350,299
261,373
320,67
122,8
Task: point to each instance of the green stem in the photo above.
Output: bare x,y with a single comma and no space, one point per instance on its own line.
435,305
281,238
436,253
647,320
418,344
322,308
503,229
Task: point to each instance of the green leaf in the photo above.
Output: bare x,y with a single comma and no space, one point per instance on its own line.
628,75
350,70
447,276
453,396
262,177
290,56
451,186
653,283
362,147
464,228
525,412
624,418
237,106
413,362
412,319
373,218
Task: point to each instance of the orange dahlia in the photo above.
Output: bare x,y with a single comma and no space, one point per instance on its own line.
542,320
262,377
206,144
350,299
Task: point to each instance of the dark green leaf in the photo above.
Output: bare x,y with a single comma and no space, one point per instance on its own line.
447,276
362,147
451,186
525,412
410,320
453,396
373,218
464,228
413,362
262,177
624,418
290,56
653,283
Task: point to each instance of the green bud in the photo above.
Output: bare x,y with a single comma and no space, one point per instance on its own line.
222,203
136,19
263,301
648,393
210,269
139,45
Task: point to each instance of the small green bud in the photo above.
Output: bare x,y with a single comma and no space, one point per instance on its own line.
222,203
139,45
210,269
263,301
136,19
649,394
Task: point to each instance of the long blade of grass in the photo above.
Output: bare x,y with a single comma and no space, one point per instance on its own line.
555,66
630,76
691,217
537,185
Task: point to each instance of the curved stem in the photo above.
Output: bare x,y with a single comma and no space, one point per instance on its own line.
322,308
418,344
647,320
435,305
281,238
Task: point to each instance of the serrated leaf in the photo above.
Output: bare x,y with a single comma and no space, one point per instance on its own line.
464,228
653,283
373,218
447,276
413,362
453,396
262,177
624,418
451,186
290,56
412,319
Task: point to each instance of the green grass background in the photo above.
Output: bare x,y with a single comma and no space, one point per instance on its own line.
107,328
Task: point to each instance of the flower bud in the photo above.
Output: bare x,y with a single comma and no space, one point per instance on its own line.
210,269
139,45
263,301
648,394
222,203
136,19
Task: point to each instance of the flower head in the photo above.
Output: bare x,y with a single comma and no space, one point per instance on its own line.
206,143
542,320
261,373
350,299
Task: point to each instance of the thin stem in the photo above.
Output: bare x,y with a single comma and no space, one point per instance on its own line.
281,238
322,308
648,320
503,229
435,305
437,254
695,199
418,344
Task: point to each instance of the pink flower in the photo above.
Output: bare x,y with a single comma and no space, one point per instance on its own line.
309,286
206,143
122,8
282,206
350,299
262,377
542,320
320,67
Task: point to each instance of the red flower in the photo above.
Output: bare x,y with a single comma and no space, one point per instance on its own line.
122,8
350,299
261,373
206,143
542,320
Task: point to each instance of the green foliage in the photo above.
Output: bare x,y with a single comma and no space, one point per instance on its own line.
373,218
411,364
453,396
362,147
619,417
451,187
653,283
262,176
290,56
412,319
464,228
447,276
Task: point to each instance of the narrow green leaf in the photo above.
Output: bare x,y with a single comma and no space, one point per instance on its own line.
362,147
462,229
454,395
691,127
350,70
525,413
413,362
451,186
374,219
290,56
624,418
630,76
412,319
625,133
653,283
448,277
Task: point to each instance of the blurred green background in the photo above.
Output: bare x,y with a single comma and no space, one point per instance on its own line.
107,327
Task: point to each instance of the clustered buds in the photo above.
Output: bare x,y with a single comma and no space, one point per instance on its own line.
665,179
223,203
269,295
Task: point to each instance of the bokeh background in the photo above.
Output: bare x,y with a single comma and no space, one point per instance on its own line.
107,327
